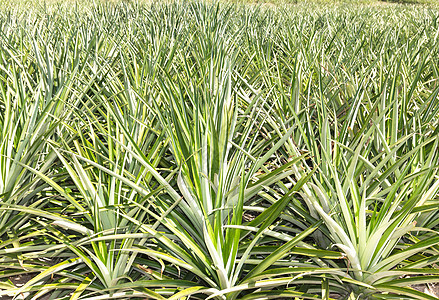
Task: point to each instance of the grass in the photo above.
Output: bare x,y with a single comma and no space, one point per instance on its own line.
218,150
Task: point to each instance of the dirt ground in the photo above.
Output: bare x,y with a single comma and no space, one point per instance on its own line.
431,289
19,281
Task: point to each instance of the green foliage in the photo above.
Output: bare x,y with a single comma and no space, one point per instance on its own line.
218,151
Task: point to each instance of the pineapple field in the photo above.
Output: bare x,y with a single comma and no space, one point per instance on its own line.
205,150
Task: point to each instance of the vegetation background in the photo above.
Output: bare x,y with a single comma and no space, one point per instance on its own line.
231,150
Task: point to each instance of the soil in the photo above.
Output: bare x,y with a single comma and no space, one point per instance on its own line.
431,289
19,281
